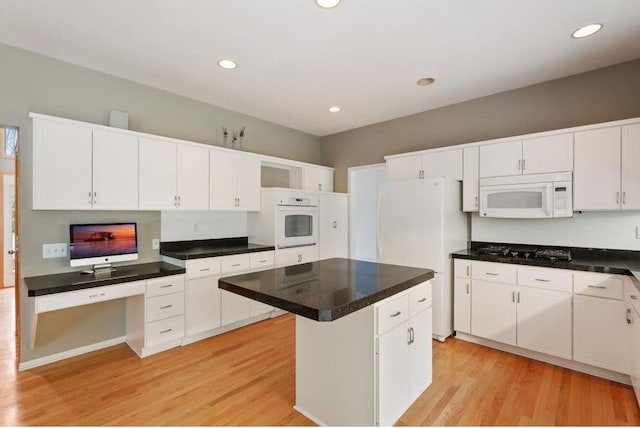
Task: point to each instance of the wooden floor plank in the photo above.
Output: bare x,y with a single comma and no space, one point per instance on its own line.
247,377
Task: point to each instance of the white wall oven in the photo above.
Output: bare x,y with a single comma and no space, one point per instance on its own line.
296,221
527,196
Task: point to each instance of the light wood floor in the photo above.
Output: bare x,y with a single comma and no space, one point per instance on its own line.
246,377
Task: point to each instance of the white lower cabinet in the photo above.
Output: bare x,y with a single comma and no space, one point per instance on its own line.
586,317
294,256
635,343
404,352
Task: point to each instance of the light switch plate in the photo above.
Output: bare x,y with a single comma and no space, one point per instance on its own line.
155,244
53,251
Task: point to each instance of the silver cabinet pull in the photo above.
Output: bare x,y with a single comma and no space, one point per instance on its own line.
524,164
238,201
395,315
617,197
166,286
492,274
409,336
89,198
597,286
95,197
624,198
93,296
476,201
166,307
175,201
424,299
179,200
262,261
235,265
518,297
468,268
513,296
166,331
205,269
319,186
519,164
543,280
467,288
629,318
634,297
335,224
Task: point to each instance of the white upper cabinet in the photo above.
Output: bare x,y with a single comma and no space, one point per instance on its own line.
318,179
501,159
470,179
547,154
115,171
530,156
442,163
596,178
193,177
173,176
630,180
75,167
234,181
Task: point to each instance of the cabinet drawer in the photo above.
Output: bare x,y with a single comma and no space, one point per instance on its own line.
462,268
68,299
199,268
231,264
392,313
599,285
160,307
553,279
261,260
498,272
166,285
420,298
164,330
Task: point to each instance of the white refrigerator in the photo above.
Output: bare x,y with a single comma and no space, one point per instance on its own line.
420,222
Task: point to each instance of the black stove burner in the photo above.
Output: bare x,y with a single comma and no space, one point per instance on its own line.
494,250
525,252
522,252
554,254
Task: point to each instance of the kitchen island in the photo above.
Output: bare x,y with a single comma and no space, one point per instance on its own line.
363,335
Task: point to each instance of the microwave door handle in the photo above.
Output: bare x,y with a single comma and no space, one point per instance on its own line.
549,200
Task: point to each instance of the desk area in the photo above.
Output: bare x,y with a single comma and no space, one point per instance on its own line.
154,293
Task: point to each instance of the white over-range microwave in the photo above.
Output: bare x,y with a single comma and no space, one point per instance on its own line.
527,196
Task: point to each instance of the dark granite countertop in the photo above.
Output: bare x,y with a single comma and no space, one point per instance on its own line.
328,289
202,248
618,262
71,281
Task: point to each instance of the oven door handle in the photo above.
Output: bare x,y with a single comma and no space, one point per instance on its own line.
296,245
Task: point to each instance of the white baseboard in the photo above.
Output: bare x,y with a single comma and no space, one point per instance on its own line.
557,361
26,365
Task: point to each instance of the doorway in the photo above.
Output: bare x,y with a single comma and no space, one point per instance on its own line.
9,223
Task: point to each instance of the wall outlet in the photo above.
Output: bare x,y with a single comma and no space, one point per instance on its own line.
155,244
52,251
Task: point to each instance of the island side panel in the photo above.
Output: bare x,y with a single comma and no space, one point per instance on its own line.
335,369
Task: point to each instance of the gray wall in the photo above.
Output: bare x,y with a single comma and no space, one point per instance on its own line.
34,83
598,96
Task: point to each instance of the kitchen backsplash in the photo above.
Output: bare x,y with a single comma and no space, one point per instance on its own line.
614,230
187,225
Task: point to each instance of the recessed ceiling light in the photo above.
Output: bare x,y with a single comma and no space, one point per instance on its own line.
426,81
228,64
586,31
334,109
327,4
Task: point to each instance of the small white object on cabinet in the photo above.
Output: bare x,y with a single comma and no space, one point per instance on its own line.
333,225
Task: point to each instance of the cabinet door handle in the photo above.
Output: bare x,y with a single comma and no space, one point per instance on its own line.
409,336
205,269
597,286
513,296
238,201
524,164
166,286
519,164
634,297
518,298
319,186
166,307
179,200
617,197
624,198
235,265
93,296
468,270
476,201
335,224
543,280
95,198
492,274
629,318
467,288
395,315
166,331
424,299
89,198
262,261
175,201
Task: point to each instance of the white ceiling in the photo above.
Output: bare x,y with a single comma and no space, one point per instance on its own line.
296,60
